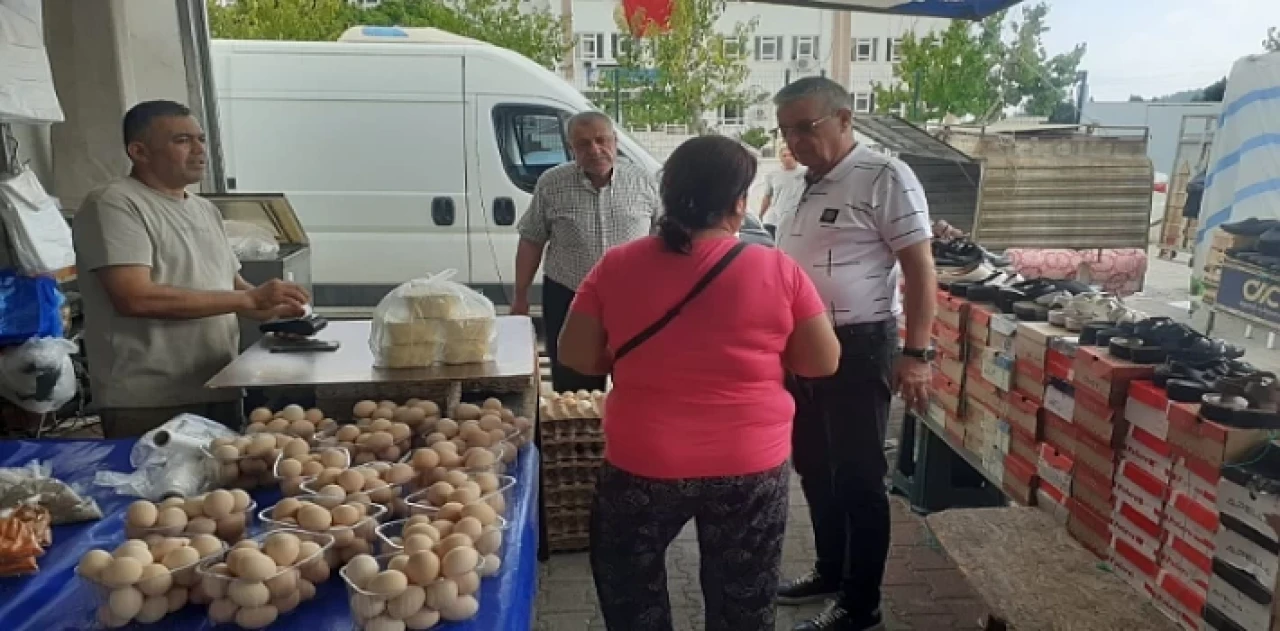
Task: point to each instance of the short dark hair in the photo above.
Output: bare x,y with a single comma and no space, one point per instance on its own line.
140,117
701,182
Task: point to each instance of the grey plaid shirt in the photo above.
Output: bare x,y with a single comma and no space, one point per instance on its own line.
578,222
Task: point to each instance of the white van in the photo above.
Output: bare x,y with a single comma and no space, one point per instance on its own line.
404,151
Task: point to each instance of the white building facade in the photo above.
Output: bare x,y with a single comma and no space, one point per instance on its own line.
787,43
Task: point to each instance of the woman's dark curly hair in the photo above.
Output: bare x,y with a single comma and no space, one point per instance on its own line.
702,181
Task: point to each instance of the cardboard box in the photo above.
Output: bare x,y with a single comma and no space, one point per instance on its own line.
1023,412
1054,469
1179,601
1092,490
981,390
949,340
1004,325
1099,457
1187,561
1024,445
1247,549
1053,500
1134,565
1154,454
1237,502
1239,597
997,368
1107,376
1059,398
946,393
1141,489
952,312
1194,523
1148,408
1029,379
979,327
951,366
1195,478
1026,349
1059,365
1214,444
1094,415
1136,527
1003,343
1004,436
1060,433
1092,530
1020,479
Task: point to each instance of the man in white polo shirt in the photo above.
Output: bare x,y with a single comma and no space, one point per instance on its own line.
861,226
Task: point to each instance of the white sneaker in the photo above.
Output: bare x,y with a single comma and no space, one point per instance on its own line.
977,273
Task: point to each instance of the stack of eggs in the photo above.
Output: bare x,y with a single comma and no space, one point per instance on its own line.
415,412
377,482
245,462
293,470
353,525
145,580
292,420
372,439
415,588
261,579
570,405
222,513
476,525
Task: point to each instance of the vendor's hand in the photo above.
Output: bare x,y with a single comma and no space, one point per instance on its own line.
520,305
286,312
911,379
276,293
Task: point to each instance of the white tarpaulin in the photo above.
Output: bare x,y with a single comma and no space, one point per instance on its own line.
26,83
1244,168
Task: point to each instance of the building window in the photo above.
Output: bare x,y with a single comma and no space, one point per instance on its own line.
863,102
864,49
734,47
804,47
768,48
893,50
732,115
590,46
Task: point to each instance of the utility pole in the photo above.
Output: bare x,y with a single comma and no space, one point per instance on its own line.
566,21
1082,93
841,55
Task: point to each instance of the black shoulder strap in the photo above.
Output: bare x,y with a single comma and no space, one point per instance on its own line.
702,283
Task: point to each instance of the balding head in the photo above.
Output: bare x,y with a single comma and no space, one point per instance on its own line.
594,143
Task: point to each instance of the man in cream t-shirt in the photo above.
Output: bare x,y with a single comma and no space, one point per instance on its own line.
160,284
782,191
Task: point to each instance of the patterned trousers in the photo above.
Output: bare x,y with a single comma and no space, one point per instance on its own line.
741,521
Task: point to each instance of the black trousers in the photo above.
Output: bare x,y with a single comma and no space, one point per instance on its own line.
741,521
556,299
838,450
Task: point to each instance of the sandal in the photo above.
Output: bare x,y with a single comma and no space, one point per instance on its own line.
1258,407
1136,350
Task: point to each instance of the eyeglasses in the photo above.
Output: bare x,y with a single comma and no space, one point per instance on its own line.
806,128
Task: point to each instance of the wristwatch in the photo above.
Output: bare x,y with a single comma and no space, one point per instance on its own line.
922,354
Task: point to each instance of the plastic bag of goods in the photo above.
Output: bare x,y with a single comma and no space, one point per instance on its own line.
30,306
432,320
251,242
38,376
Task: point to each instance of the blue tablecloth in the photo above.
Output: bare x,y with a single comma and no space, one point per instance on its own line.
56,599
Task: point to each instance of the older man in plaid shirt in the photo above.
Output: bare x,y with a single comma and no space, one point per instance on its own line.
579,210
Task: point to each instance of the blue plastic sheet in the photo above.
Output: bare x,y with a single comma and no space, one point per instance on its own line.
30,306
57,600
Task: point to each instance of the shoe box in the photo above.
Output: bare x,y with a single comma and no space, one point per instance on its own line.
952,311
1054,469
1021,479
1109,377
1200,440
1179,601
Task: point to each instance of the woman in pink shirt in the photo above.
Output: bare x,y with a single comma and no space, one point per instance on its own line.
697,330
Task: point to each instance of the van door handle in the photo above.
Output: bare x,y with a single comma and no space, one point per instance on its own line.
504,211
442,211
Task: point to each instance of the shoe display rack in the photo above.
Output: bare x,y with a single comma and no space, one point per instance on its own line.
572,452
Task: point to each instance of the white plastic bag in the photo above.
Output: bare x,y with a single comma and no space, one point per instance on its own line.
250,242
34,483
169,460
433,320
39,233
39,376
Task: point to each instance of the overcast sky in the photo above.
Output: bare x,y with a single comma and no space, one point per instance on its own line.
1156,47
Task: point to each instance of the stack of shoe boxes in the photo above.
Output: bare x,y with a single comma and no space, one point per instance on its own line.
951,341
988,376
1100,386
1054,453
1242,587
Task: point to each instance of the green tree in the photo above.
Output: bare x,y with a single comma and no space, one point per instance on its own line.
674,76
537,35
978,69
1032,80
757,137
1213,93
305,20
952,72
1272,42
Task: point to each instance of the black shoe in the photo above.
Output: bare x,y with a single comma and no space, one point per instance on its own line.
1250,227
809,587
836,618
